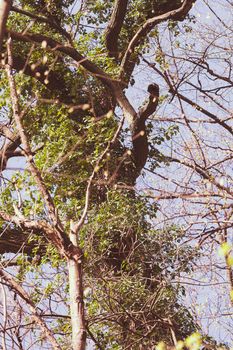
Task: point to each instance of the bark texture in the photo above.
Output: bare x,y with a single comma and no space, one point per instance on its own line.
114,26
5,6
76,299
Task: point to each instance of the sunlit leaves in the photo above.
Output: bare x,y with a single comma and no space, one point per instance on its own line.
231,295
194,341
224,249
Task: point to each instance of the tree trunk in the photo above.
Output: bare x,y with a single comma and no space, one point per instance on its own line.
76,300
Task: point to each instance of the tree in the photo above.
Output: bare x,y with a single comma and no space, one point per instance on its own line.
65,72
195,65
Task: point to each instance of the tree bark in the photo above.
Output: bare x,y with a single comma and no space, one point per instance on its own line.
114,27
76,299
5,6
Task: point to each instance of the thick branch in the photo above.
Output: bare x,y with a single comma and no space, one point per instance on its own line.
8,150
5,6
16,240
113,85
114,26
67,50
57,237
138,128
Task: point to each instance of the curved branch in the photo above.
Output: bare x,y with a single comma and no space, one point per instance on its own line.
177,14
67,50
57,237
138,128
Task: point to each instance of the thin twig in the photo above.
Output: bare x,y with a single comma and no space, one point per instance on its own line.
21,292
76,227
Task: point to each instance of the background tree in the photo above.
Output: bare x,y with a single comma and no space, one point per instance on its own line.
194,63
66,67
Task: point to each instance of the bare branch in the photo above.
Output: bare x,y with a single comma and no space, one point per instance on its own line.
35,315
175,92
